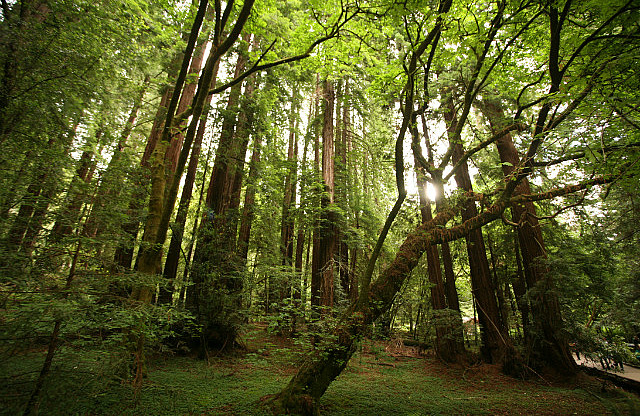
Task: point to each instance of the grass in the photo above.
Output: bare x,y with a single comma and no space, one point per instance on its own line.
382,379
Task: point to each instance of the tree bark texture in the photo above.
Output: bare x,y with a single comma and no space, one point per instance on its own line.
549,344
496,344
175,246
325,234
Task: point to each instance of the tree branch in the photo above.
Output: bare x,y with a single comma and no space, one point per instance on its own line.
482,145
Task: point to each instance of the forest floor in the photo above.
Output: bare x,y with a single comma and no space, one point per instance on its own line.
383,378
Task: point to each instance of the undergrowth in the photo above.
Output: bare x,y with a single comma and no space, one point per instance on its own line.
382,378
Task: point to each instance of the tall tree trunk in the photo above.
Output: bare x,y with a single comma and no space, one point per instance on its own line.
194,230
342,189
519,285
219,192
496,344
246,124
325,234
449,346
123,256
324,365
69,216
288,223
549,345
155,229
287,226
175,246
217,269
248,212
35,203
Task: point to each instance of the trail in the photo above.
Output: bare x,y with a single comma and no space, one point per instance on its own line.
629,372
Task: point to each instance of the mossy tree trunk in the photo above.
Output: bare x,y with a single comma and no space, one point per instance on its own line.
328,361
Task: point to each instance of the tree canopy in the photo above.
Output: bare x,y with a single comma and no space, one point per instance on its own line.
174,171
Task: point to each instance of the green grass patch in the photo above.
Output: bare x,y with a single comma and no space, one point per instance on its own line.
374,382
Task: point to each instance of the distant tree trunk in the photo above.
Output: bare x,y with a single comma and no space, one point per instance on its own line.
35,203
109,189
288,222
519,285
248,212
549,344
451,292
324,365
449,345
69,216
501,289
287,226
448,321
194,231
342,189
325,233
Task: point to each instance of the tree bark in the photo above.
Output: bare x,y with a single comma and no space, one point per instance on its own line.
549,344
248,212
325,234
216,297
324,365
496,344
175,246
449,345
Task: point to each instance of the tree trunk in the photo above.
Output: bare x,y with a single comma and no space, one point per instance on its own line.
496,344
325,233
69,216
288,222
549,345
249,200
324,365
217,268
175,246
156,226
449,345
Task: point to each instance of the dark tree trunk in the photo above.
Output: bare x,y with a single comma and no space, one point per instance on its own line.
323,366
519,285
496,345
288,222
123,256
549,344
325,234
219,192
217,268
35,203
70,214
248,212
449,345
342,189
175,246
241,143
186,99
